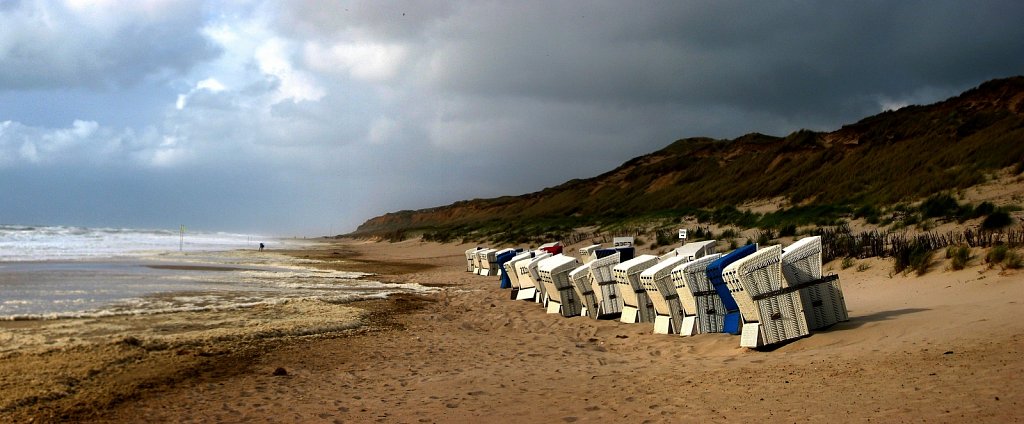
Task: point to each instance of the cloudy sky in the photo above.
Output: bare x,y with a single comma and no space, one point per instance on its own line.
308,117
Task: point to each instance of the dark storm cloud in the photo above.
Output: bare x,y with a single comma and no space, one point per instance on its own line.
827,60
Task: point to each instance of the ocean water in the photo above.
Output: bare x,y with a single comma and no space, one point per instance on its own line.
42,243
69,272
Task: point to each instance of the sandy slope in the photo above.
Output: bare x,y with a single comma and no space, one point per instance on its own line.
946,347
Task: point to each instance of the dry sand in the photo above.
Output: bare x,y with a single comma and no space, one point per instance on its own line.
945,347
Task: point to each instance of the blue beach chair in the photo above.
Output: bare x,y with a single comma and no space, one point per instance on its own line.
502,258
732,322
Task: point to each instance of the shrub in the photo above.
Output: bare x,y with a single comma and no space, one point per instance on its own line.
863,267
847,262
663,238
985,208
940,205
765,236
996,220
866,211
997,254
1014,260
787,231
920,261
958,256
916,257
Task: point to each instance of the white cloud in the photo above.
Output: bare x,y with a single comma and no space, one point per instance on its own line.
295,85
375,62
209,84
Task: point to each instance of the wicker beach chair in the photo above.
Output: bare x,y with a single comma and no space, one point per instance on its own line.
587,253
510,270
606,290
731,323
553,248
580,278
490,262
622,242
625,253
526,271
502,258
471,259
822,297
702,308
657,282
636,306
697,249
483,266
769,314
554,274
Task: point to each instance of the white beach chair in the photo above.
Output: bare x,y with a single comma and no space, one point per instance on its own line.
770,315
702,308
606,290
580,278
471,259
657,282
492,261
510,270
554,274
636,306
482,265
622,241
822,297
526,273
586,253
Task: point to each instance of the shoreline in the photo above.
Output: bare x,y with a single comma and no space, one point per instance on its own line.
943,347
78,368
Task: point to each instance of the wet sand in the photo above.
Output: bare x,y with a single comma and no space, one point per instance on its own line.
945,347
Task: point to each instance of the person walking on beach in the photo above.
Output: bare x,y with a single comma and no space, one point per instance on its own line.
261,247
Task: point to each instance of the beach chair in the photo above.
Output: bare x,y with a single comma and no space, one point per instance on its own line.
482,264
625,253
526,271
510,270
731,323
553,248
636,306
580,278
554,275
471,259
490,262
657,282
606,290
502,258
622,242
822,297
770,315
587,253
697,249
702,308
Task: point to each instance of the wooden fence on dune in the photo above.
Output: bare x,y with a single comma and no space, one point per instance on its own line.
840,242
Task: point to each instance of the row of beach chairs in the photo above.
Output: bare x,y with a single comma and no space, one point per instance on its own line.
766,295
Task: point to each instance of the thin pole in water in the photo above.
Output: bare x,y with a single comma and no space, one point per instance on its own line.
181,239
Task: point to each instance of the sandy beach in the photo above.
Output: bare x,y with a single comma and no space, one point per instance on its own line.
943,347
